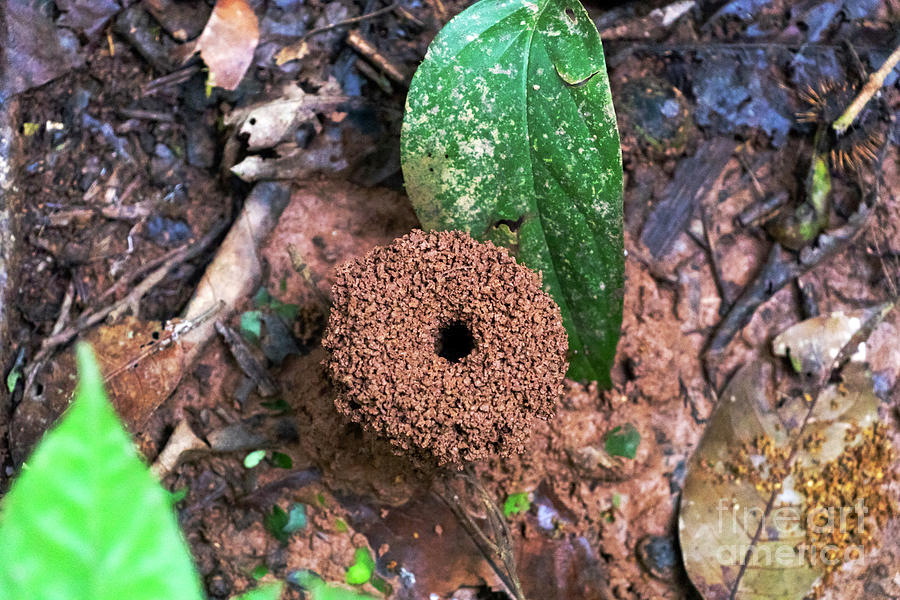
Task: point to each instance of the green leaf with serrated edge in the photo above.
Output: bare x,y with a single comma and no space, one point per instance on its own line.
87,520
510,134
269,591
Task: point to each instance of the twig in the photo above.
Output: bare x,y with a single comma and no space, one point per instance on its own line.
349,21
163,343
90,318
297,49
758,211
146,115
779,271
876,80
172,79
498,547
356,41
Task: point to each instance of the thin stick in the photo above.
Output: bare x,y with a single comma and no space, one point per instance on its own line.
876,80
90,318
356,41
296,50
349,21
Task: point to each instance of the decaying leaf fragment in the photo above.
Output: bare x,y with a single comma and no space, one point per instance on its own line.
811,345
228,42
271,122
142,363
784,489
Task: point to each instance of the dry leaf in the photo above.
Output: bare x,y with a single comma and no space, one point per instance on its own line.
813,344
140,372
740,473
271,122
228,42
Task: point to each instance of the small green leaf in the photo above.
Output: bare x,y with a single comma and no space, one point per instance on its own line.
251,325
29,129
282,524
279,405
297,519
382,586
262,297
516,504
282,460
341,525
623,441
269,591
259,571
510,134
13,378
319,590
254,458
616,500
178,495
275,523
361,570
87,520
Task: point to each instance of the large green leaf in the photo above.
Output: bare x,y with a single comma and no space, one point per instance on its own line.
86,520
510,134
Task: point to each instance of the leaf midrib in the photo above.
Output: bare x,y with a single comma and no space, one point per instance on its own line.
566,300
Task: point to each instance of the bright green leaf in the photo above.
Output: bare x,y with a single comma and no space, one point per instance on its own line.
87,520
516,504
319,590
251,325
623,441
270,591
361,570
254,458
510,134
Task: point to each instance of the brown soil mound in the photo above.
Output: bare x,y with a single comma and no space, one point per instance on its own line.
445,344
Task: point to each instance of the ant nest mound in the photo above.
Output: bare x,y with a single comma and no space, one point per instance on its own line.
446,346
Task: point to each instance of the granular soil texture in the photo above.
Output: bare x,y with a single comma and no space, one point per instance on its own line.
446,346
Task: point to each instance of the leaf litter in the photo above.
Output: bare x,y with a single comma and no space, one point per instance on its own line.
787,481
578,492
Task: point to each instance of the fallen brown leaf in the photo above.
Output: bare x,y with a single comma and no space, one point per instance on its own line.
228,41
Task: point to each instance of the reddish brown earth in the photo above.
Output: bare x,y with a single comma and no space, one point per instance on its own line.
600,526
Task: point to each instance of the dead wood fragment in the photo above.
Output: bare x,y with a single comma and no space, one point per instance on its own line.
249,363
356,41
780,270
693,179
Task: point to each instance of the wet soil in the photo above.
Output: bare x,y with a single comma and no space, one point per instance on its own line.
116,174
